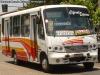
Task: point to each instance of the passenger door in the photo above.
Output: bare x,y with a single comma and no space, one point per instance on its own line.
37,37
33,37
6,34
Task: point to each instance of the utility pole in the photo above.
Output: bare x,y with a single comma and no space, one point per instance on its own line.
23,5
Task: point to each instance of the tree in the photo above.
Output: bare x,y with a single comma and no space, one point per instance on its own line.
31,5
95,4
96,16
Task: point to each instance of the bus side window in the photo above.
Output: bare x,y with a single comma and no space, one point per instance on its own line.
25,25
16,25
41,31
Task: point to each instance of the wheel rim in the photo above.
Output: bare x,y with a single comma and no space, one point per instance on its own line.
44,63
15,58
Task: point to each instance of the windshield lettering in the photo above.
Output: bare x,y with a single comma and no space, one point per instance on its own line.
62,23
65,32
72,12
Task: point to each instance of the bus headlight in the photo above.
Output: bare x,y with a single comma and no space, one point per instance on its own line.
56,48
59,48
95,46
92,47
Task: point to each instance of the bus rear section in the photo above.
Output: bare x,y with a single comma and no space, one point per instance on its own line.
16,39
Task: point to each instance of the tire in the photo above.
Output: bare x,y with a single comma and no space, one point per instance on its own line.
46,67
16,61
88,66
99,55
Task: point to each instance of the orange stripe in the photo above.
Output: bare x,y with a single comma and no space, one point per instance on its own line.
28,44
19,51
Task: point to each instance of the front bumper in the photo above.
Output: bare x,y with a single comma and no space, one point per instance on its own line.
70,58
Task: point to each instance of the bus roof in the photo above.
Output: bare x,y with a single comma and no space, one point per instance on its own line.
37,9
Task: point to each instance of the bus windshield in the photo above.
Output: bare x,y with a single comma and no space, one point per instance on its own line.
67,21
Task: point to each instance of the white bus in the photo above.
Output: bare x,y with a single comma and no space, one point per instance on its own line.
50,35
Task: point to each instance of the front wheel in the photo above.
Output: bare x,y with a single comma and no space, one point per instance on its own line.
88,66
45,64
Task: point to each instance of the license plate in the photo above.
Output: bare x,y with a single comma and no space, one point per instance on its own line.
78,55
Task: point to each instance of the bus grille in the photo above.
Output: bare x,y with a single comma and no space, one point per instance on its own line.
79,48
78,59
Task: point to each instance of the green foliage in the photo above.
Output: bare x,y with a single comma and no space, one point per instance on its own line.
31,5
95,2
96,16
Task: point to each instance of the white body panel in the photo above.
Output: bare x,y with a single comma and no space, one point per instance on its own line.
57,42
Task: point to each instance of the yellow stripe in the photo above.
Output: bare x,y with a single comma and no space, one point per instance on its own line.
15,48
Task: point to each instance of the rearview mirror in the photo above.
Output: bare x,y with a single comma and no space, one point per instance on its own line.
37,19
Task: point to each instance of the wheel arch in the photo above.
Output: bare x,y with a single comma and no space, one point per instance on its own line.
13,52
42,54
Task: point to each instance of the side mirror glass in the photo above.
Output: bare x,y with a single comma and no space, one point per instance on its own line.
37,19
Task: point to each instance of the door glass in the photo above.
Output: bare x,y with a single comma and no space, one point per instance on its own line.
41,30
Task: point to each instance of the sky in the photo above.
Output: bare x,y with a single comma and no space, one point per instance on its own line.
11,6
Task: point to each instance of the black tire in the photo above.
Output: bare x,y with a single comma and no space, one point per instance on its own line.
99,55
16,61
88,66
46,67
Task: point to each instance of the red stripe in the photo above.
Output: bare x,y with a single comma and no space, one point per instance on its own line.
73,41
30,50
